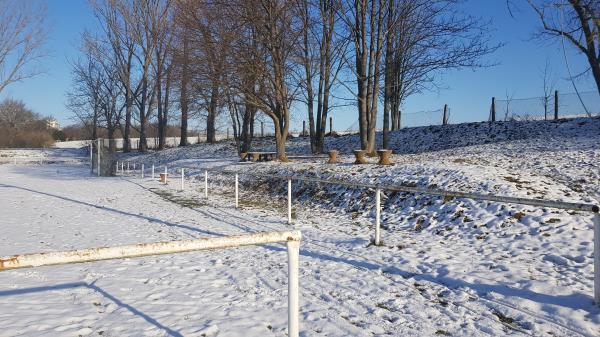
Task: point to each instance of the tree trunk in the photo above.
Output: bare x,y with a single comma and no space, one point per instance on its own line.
212,114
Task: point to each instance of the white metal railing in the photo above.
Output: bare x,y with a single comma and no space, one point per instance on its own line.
292,238
591,208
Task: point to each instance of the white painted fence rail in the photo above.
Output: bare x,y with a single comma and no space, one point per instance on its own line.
292,238
592,208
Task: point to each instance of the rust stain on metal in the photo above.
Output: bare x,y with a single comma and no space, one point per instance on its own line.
5,263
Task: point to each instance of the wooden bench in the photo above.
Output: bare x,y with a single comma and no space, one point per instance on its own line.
260,156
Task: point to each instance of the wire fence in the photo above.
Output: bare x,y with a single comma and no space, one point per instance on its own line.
557,105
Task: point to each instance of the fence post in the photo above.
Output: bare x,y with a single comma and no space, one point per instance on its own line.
293,248
128,170
182,178
122,167
555,104
117,165
236,191
445,117
303,128
493,109
152,171
91,157
330,126
289,200
134,167
98,157
142,171
597,258
377,216
206,184
262,129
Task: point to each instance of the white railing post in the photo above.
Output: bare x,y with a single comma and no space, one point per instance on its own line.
152,171
122,168
128,170
117,165
206,184
236,191
289,200
597,258
293,248
98,157
91,157
182,178
377,216
142,171
134,167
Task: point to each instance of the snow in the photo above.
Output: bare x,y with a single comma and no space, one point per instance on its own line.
448,266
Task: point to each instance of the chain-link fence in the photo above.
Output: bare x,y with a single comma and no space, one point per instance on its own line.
554,106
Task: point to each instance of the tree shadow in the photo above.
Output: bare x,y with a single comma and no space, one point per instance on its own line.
94,287
114,210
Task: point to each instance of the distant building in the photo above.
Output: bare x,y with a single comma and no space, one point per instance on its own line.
53,124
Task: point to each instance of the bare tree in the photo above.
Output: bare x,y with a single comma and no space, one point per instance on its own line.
548,86
22,36
323,45
276,33
115,18
366,22
426,38
576,21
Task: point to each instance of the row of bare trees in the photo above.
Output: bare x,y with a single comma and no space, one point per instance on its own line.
270,57
242,58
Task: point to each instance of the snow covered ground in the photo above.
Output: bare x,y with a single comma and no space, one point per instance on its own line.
448,266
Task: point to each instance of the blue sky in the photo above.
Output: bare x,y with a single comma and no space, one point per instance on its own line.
467,92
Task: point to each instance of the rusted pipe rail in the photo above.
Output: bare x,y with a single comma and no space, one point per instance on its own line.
171,247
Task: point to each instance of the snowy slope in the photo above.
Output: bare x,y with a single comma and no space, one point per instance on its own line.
448,266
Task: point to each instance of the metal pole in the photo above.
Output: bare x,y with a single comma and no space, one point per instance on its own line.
117,165
289,201
142,171
98,157
236,191
91,157
597,259
128,168
555,104
152,171
122,167
293,248
206,184
134,167
377,216
182,179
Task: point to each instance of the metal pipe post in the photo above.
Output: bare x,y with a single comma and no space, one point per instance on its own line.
289,201
206,184
182,179
597,258
377,216
293,248
236,191
98,157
